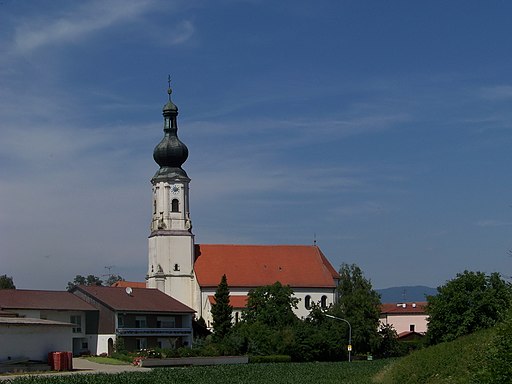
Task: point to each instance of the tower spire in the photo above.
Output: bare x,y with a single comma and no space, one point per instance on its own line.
171,152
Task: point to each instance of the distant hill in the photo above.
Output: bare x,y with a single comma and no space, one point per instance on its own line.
405,294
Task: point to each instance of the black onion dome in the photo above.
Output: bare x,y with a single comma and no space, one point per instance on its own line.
170,153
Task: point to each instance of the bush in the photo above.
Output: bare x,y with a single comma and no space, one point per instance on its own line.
498,368
270,359
122,357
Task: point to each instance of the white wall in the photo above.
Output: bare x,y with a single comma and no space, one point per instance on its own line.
301,312
402,323
34,341
101,343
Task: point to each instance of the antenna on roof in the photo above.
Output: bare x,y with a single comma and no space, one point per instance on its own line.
128,291
314,239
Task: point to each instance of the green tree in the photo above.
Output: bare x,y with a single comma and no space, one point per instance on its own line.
359,304
497,368
112,279
319,338
271,305
389,346
81,280
467,303
222,310
6,282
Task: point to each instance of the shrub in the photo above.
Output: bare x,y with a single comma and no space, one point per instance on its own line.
270,359
497,368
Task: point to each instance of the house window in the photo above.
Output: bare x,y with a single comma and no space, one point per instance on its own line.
77,321
175,205
141,343
237,317
307,302
412,328
166,322
140,322
323,302
120,321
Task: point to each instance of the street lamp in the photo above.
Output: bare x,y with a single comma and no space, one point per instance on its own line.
349,333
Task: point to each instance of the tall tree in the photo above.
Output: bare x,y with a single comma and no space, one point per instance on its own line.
222,310
467,303
112,279
6,282
81,280
359,304
271,305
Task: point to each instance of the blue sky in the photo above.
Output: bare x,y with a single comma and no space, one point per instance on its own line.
382,128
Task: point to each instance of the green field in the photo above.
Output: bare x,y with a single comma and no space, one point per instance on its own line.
465,360
297,373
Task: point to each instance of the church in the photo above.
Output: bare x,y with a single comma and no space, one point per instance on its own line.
190,272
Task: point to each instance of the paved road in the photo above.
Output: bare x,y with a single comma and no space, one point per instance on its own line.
82,366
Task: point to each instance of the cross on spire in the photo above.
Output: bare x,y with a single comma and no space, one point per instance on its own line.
169,90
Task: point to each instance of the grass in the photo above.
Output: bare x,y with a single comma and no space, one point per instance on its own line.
361,372
105,360
456,362
459,361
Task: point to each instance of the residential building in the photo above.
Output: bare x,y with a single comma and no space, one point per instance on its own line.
142,317
54,306
406,318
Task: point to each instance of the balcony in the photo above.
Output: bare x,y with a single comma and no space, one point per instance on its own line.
154,331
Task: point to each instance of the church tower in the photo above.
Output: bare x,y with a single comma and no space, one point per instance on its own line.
171,242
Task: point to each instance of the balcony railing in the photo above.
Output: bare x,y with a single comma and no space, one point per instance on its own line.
154,331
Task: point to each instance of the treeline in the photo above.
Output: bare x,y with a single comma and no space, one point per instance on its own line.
268,325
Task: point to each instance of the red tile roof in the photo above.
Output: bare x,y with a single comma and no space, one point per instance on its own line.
33,299
257,265
236,302
140,299
131,284
403,308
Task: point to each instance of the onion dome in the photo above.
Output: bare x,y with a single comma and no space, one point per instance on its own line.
170,153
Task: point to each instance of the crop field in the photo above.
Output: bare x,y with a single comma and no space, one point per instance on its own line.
297,373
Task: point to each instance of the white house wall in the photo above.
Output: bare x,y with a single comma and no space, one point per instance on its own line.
402,323
34,341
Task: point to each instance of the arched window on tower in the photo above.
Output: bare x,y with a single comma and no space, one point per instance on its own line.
307,302
323,302
175,205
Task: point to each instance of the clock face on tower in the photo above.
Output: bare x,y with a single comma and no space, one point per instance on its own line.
175,189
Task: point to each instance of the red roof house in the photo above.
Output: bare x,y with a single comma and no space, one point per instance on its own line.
406,318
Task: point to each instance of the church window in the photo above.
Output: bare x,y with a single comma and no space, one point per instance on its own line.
307,302
175,205
154,207
176,267
323,302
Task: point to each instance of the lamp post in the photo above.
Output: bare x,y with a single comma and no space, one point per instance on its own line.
349,333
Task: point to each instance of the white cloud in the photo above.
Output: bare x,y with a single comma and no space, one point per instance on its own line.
182,32
74,26
493,223
498,92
